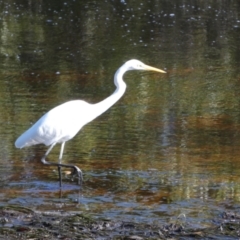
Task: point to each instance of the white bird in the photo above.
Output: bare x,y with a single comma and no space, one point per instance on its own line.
63,122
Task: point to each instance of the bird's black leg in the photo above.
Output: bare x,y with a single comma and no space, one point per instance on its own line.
60,161
60,176
78,173
59,165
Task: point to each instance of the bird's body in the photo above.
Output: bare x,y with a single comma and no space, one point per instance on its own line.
58,125
63,122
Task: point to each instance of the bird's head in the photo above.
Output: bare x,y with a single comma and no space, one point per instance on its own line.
138,65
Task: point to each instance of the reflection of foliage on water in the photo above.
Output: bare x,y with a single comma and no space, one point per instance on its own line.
184,126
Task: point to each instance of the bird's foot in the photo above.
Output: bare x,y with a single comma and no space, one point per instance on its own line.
78,173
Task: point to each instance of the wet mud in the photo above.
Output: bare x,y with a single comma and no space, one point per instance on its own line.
17,222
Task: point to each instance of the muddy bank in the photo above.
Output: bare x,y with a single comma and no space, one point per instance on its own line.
23,223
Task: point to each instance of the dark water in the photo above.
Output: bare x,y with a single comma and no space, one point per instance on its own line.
168,148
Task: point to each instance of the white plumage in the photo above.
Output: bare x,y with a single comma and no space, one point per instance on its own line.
63,122
58,125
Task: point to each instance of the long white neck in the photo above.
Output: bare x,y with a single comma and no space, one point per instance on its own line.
104,105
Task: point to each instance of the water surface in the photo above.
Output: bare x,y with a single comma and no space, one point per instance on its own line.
168,148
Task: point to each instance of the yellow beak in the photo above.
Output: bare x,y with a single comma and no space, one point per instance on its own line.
149,68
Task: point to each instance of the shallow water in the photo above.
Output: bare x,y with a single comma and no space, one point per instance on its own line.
168,148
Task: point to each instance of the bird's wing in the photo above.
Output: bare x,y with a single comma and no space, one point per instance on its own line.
58,125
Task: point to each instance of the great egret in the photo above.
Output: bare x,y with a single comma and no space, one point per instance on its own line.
63,122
